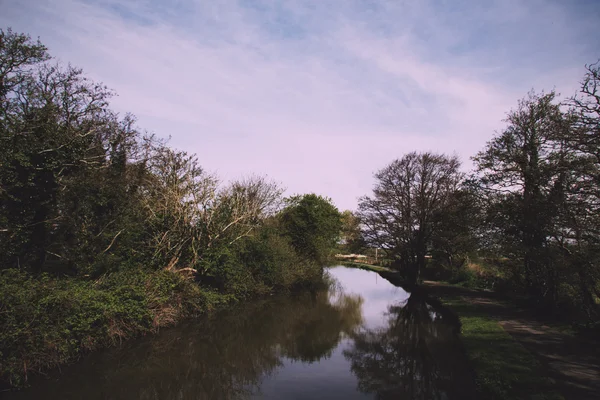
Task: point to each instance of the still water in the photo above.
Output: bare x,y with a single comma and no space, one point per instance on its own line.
364,338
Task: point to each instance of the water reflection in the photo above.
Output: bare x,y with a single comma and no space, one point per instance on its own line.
415,355
226,357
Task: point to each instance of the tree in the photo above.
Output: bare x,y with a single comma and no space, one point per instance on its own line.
313,224
17,55
577,231
521,167
587,107
458,227
408,196
351,236
189,215
54,128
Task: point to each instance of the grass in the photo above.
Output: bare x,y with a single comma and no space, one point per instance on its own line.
504,369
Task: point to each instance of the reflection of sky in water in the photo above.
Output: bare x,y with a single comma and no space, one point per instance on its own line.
376,292
331,376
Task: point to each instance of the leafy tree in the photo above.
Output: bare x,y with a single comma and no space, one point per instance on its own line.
458,232
401,216
54,128
351,236
17,55
313,224
521,166
577,231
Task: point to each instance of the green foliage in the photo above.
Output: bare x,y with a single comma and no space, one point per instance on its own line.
261,263
540,175
273,260
17,53
48,321
62,167
464,276
313,225
352,240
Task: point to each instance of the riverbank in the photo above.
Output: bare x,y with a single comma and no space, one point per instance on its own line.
504,369
47,321
515,354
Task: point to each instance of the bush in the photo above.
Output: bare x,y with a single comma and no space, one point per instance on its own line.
274,261
48,321
259,264
313,225
465,277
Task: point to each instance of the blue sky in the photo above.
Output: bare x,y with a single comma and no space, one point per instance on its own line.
318,95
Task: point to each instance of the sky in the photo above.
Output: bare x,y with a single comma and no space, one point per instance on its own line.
318,94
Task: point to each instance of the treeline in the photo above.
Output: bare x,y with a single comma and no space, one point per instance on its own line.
530,209
106,232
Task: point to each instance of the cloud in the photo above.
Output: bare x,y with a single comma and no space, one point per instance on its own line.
318,95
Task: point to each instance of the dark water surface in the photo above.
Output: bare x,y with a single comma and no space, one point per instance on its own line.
362,339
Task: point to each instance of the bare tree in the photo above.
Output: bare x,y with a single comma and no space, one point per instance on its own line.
191,214
400,216
239,208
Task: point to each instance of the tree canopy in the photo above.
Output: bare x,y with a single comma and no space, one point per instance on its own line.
313,223
408,196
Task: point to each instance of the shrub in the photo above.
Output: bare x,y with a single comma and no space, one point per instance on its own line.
47,321
465,277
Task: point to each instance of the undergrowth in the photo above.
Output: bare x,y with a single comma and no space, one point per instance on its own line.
48,321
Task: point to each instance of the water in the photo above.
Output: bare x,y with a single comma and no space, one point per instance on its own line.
362,339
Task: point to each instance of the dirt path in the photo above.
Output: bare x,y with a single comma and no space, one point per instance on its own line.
573,362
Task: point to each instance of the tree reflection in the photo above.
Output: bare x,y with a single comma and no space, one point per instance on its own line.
416,356
222,357
317,332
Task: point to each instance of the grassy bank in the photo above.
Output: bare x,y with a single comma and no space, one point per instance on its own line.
504,369
48,321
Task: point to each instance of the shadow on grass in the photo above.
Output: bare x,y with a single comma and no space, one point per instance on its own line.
551,355
503,367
